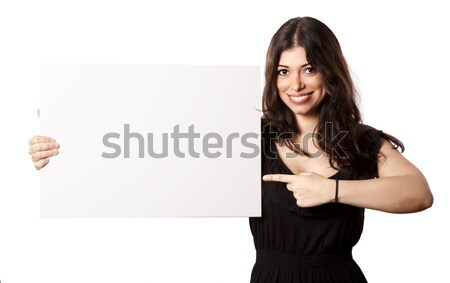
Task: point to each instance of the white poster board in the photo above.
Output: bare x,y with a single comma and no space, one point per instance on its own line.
151,140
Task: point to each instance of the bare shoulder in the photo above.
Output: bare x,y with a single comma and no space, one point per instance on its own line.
392,163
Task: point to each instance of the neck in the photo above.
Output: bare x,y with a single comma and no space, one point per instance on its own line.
307,123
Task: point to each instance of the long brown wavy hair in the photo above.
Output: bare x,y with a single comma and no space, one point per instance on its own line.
356,152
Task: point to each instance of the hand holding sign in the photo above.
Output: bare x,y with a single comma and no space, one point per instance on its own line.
41,148
309,188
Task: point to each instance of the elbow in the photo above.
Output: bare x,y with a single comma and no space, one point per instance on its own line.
424,198
427,201
416,204
427,197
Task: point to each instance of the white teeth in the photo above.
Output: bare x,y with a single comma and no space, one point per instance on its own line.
298,98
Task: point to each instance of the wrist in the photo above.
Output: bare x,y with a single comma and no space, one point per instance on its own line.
336,191
331,190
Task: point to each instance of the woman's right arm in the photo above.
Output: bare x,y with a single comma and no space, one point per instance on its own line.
41,149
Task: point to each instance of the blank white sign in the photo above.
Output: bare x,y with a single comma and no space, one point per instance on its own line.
111,122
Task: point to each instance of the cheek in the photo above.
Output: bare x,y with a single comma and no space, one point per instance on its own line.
322,94
313,82
282,85
316,84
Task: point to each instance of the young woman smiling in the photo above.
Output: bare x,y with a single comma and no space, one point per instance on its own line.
322,166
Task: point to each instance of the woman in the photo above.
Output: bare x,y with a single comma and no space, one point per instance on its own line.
312,137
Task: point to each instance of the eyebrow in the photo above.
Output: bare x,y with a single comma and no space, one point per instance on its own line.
284,66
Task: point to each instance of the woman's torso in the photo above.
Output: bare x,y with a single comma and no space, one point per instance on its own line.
285,229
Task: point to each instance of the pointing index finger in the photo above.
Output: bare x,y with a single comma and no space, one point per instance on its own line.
278,178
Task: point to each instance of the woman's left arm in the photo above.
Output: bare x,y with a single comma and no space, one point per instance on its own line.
400,188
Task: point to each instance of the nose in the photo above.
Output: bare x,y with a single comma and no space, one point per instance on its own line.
296,83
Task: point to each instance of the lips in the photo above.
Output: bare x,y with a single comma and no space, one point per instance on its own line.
300,98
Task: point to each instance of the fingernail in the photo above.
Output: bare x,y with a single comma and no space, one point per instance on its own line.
265,177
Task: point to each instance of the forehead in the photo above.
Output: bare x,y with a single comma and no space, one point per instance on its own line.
293,56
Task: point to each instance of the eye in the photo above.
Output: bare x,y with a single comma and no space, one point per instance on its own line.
282,72
309,70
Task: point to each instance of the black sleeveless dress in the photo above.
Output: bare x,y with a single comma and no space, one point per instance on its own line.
303,245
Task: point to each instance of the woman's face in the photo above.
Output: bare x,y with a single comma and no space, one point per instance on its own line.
299,85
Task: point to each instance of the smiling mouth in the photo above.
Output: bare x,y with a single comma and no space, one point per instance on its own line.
300,98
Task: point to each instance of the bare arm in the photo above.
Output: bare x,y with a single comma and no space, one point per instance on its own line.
400,188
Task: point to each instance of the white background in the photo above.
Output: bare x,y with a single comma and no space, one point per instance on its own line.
396,51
